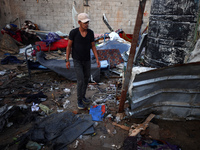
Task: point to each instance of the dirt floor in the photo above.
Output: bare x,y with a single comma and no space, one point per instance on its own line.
15,81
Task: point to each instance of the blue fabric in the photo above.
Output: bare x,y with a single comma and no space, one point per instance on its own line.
96,113
35,65
51,37
10,30
7,54
11,59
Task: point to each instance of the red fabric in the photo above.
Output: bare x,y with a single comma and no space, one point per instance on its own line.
130,36
16,36
62,43
34,53
103,108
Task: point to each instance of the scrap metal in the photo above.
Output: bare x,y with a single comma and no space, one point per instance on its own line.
172,93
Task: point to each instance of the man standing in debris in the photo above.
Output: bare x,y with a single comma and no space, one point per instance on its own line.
81,40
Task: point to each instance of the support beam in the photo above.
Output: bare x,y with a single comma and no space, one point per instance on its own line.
132,54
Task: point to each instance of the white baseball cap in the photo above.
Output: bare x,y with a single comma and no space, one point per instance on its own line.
83,17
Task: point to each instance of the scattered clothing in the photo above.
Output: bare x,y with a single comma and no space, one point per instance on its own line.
35,98
135,143
12,60
13,31
28,34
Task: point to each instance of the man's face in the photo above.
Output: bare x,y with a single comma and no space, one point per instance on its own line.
84,25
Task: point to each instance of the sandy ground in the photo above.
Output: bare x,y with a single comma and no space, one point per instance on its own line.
107,136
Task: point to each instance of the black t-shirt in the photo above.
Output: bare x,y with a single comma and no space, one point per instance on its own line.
81,45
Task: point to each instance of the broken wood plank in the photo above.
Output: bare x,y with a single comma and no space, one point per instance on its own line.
121,126
139,127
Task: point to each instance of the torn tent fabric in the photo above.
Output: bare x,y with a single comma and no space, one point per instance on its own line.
59,66
58,130
97,112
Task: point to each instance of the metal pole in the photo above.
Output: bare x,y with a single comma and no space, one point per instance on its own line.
132,54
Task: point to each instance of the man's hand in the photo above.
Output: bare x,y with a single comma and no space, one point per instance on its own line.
98,64
68,50
68,65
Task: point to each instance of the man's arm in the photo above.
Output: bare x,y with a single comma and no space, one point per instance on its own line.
95,54
68,50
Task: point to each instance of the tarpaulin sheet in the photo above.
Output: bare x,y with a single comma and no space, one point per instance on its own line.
59,66
59,130
97,112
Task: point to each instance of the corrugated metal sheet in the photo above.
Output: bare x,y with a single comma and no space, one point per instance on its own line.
173,93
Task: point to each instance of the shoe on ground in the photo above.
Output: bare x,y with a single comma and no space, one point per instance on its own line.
85,100
81,105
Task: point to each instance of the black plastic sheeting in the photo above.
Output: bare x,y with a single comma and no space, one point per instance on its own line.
5,113
17,115
59,66
171,31
58,130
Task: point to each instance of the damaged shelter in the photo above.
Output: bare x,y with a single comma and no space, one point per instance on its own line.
145,95
171,91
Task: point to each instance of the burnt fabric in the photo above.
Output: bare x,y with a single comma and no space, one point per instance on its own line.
35,98
27,34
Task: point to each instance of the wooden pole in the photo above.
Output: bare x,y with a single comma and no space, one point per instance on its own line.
132,54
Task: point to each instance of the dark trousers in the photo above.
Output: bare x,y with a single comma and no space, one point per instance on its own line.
82,69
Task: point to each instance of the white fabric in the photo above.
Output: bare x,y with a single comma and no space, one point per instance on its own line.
195,54
74,14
